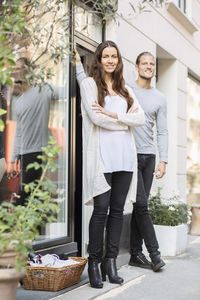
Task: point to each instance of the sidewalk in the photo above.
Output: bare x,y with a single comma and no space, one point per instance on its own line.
178,280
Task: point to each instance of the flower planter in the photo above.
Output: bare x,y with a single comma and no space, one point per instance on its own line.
9,279
172,240
7,259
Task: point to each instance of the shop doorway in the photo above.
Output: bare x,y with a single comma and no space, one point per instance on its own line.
86,58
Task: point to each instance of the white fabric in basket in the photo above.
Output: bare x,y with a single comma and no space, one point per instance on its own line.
52,260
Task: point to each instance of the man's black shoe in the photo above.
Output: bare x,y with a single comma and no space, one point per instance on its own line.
157,263
140,260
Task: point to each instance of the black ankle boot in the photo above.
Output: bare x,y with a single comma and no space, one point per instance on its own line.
157,262
94,274
140,260
108,267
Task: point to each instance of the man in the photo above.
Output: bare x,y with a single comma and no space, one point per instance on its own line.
32,108
154,105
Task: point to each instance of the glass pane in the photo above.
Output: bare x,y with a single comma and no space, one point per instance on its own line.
88,23
36,112
58,128
181,4
193,140
176,2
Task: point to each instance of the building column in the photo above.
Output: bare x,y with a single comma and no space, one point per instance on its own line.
172,81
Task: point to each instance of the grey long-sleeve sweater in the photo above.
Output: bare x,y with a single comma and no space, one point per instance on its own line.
153,103
32,113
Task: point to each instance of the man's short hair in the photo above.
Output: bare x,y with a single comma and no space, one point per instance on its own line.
141,54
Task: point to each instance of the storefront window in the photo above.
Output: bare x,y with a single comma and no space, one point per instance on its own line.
41,109
58,128
193,140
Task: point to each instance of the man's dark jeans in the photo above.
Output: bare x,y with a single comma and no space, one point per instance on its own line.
141,223
113,200
28,176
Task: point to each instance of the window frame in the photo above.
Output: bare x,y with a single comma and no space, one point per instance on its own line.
182,5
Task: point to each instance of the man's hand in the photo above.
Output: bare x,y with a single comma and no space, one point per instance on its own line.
133,110
13,172
160,170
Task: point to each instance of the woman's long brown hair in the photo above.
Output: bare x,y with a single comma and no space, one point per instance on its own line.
98,75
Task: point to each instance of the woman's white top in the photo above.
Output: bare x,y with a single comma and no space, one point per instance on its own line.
116,147
94,182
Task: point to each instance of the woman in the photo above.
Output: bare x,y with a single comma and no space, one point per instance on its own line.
109,110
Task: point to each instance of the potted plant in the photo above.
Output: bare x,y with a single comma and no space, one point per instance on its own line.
19,224
170,217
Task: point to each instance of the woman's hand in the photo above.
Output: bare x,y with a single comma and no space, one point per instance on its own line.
133,110
77,57
101,110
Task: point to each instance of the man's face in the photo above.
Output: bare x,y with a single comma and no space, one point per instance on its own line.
146,67
18,76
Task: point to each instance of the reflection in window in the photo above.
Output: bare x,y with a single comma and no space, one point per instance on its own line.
35,112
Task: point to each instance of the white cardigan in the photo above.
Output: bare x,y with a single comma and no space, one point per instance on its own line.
94,182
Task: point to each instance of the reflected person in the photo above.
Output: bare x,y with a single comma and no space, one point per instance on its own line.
32,110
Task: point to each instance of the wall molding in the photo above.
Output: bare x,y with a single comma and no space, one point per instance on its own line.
181,17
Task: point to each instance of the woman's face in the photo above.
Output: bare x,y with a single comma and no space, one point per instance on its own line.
109,59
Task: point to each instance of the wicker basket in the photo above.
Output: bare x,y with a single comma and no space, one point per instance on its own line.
53,279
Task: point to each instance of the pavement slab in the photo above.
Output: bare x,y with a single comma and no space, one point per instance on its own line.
178,280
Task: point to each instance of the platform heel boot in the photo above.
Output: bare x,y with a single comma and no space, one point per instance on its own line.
108,267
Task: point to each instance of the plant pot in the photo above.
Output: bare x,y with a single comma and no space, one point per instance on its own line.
172,240
9,279
7,259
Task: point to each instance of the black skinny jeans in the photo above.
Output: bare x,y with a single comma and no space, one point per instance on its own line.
114,199
28,176
141,223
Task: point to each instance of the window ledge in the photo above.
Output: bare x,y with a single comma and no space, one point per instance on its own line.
181,17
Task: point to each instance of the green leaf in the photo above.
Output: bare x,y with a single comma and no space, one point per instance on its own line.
11,62
9,81
2,125
2,111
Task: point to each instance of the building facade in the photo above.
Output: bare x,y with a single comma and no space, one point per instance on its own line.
172,34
